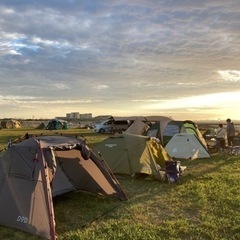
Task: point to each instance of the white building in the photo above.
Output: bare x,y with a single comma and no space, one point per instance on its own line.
77,115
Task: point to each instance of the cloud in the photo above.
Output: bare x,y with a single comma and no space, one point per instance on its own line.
119,52
230,75
101,87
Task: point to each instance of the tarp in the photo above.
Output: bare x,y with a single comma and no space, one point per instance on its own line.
39,168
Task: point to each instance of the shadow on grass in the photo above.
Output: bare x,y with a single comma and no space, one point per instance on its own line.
80,210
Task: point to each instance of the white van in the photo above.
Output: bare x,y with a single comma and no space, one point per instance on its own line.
111,126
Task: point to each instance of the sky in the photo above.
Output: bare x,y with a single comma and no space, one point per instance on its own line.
175,58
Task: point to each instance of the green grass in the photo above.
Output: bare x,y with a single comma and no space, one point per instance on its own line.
204,205
13,134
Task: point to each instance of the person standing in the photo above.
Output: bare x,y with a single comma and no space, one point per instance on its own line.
230,131
221,135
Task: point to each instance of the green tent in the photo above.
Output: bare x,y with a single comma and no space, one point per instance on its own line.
56,124
174,127
132,154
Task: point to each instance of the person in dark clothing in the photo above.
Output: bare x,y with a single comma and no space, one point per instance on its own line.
230,131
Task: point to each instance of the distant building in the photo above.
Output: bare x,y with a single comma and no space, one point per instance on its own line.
73,115
86,116
77,115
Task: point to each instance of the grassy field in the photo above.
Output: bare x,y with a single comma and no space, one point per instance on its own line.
204,205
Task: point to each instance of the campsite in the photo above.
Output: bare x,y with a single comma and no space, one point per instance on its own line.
204,203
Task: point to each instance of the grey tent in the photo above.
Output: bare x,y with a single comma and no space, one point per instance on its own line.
138,127
158,124
39,168
152,126
41,126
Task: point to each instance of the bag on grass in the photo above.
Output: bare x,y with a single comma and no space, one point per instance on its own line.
172,171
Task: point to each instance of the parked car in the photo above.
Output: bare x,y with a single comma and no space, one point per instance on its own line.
112,126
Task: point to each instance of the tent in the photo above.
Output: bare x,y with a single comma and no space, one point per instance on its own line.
153,126
138,127
186,146
41,126
37,169
164,128
173,127
132,154
11,123
56,124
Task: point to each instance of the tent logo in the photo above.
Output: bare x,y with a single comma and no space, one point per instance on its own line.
22,219
111,145
174,150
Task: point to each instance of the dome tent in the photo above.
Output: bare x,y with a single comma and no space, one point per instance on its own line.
133,154
56,124
11,123
37,169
